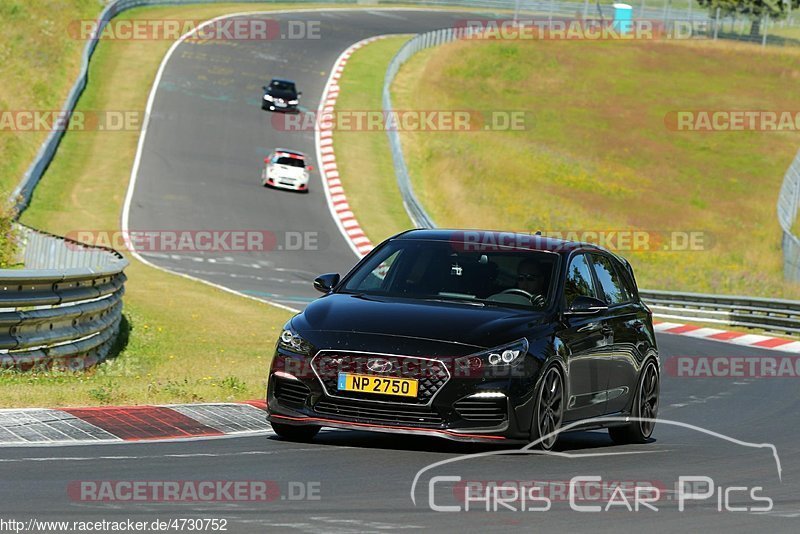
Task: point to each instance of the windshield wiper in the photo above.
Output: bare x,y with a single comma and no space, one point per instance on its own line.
460,301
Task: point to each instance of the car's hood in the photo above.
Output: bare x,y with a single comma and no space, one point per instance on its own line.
465,324
289,171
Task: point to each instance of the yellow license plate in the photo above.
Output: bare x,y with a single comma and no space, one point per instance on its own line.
403,387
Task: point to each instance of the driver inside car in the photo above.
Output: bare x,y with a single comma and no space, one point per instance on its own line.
531,279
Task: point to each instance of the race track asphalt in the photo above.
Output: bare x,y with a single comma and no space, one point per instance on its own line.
200,170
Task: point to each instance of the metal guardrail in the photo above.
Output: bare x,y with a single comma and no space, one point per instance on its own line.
64,309
419,217
770,315
788,202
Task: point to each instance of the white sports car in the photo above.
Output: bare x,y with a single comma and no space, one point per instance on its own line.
286,169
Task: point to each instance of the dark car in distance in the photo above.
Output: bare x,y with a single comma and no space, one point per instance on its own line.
471,336
280,95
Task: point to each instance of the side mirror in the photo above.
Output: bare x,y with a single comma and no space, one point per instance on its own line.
586,306
310,167
266,160
299,93
264,87
324,283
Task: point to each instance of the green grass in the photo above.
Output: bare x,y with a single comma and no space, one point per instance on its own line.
363,157
38,64
187,342
596,154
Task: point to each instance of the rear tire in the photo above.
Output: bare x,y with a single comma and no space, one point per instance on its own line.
295,433
645,406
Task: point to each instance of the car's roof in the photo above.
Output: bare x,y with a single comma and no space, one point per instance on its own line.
286,151
281,80
496,240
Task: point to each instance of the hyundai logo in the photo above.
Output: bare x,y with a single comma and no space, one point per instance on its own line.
379,365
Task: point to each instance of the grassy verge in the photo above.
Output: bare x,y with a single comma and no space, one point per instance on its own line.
187,342
38,64
596,154
363,157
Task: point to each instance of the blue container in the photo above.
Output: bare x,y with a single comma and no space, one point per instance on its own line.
623,18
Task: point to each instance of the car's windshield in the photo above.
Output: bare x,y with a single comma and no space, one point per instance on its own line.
290,162
441,270
281,86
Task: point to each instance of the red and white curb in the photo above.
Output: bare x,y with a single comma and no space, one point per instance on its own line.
125,424
334,191
757,341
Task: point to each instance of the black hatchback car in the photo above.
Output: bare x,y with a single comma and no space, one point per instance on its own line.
280,95
472,336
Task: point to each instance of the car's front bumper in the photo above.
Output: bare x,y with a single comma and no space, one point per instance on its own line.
457,410
271,106
292,185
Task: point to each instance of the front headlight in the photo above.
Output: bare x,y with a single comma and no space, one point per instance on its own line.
502,356
268,98
291,341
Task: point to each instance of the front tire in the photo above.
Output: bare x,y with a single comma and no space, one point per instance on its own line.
645,409
303,433
548,413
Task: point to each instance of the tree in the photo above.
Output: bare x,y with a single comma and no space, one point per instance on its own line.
755,9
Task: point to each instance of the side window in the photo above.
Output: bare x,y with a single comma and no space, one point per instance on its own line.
611,283
579,280
627,282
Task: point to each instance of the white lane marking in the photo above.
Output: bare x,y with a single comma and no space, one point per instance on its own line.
119,441
660,327
703,332
40,425
259,452
387,15
748,339
794,346
344,526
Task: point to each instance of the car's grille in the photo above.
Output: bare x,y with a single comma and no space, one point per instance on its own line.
394,415
291,393
490,411
431,374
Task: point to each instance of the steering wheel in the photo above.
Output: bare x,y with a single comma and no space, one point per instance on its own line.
536,300
517,291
